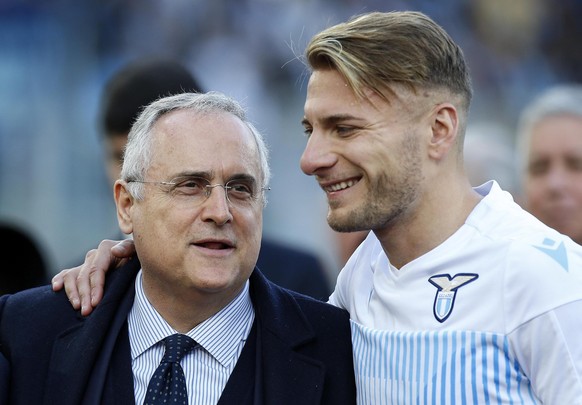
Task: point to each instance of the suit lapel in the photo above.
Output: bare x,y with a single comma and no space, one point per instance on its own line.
118,388
75,362
286,372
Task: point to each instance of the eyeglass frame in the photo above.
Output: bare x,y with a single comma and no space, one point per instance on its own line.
208,186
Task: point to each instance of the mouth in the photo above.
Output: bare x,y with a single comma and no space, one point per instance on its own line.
214,244
339,186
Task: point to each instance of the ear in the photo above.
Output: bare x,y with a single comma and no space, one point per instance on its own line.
124,202
445,127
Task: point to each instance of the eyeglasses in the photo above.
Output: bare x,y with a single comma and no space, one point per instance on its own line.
197,189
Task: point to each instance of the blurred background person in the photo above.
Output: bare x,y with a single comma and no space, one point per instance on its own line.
550,156
490,155
143,81
25,264
127,92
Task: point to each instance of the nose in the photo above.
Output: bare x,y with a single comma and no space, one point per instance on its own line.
317,155
557,178
216,206
210,187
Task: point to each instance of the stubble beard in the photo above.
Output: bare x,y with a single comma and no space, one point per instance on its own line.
390,198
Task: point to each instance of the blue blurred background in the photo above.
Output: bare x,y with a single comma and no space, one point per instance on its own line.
55,57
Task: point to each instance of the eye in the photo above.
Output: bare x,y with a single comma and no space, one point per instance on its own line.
307,131
239,190
344,131
574,163
538,168
190,185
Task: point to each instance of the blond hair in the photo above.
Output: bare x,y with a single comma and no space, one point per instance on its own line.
377,50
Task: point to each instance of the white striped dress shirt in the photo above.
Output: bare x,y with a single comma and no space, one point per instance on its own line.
207,368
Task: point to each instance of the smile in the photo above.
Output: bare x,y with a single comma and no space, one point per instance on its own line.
340,186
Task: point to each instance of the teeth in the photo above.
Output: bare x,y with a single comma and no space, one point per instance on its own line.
341,186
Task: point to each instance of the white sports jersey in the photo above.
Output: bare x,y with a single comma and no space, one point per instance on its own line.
491,316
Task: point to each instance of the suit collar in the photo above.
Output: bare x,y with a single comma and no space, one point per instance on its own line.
279,311
286,372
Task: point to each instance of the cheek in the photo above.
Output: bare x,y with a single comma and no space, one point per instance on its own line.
162,222
254,228
251,228
534,187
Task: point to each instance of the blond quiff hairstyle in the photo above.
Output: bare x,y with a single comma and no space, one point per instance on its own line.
376,50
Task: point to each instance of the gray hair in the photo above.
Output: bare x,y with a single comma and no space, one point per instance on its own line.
563,99
138,150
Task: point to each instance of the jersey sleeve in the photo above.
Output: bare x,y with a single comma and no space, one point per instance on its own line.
549,352
539,278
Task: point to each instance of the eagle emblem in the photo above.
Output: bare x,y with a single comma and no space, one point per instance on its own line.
447,287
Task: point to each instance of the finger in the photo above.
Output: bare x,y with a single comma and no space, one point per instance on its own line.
93,276
69,279
119,251
123,249
58,281
82,282
97,281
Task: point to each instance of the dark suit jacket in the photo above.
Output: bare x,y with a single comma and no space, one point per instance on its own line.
293,268
50,354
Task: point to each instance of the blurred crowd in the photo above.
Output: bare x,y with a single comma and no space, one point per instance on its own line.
56,56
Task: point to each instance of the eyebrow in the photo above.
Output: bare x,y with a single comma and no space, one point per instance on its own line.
203,174
208,175
247,178
332,119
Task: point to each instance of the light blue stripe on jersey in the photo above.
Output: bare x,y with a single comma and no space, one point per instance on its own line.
444,367
207,368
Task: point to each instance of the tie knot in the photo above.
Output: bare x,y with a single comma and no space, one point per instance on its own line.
177,346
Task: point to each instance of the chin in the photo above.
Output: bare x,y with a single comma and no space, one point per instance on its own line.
212,283
343,226
218,280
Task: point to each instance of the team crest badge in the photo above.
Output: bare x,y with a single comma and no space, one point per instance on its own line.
447,291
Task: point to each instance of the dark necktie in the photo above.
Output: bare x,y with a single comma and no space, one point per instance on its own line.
168,384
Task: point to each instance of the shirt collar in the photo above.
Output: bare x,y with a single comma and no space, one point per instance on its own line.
220,335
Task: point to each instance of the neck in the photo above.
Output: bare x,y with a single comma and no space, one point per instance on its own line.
183,308
437,215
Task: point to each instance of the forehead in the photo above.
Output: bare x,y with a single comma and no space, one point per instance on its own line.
327,90
559,123
217,142
329,94
557,131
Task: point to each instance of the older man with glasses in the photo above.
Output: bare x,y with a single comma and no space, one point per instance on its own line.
192,192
